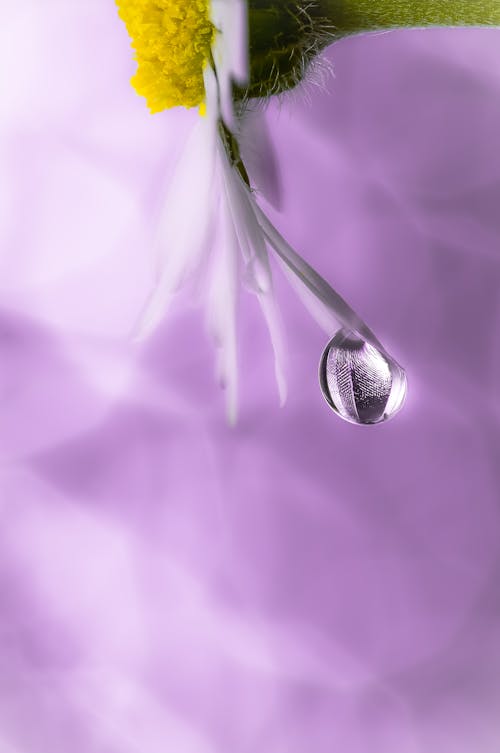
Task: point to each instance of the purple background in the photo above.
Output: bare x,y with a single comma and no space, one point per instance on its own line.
298,584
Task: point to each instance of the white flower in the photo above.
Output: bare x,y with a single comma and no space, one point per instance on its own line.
212,226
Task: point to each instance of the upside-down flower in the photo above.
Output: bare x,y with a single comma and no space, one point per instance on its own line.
196,54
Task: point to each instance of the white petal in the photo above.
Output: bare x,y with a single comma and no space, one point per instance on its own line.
230,50
329,309
250,235
185,223
259,155
211,96
253,246
230,17
273,320
222,306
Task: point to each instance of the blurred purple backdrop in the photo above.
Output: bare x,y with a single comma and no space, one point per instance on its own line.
295,585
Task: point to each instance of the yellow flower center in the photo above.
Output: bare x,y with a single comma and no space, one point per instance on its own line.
172,41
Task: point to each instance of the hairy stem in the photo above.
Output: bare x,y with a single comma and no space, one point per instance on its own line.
286,35
357,16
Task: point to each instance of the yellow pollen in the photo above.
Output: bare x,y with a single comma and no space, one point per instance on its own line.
172,41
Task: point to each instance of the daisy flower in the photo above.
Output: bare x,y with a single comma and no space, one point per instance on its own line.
213,234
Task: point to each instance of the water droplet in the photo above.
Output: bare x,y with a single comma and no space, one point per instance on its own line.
360,383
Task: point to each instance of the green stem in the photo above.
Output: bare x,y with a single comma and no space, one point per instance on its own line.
355,16
285,35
